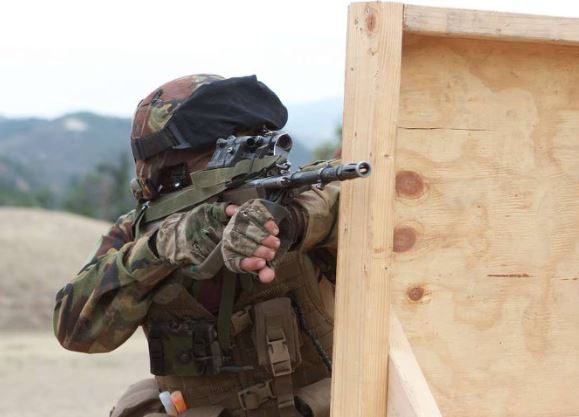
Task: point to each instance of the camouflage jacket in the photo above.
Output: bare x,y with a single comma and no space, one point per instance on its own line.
111,295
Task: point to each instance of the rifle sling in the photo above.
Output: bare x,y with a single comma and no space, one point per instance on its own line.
205,185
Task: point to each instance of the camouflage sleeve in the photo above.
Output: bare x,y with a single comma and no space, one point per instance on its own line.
109,297
320,209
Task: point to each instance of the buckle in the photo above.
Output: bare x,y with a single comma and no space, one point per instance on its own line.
279,357
240,320
254,396
289,403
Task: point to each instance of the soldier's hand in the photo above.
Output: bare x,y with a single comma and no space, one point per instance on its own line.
188,238
250,240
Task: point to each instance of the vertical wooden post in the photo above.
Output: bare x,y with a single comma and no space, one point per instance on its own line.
359,383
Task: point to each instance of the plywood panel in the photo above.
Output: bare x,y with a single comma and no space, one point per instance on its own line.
486,239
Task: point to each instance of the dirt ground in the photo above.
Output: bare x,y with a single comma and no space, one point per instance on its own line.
41,251
39,378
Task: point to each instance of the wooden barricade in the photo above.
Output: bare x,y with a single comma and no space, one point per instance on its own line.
468,228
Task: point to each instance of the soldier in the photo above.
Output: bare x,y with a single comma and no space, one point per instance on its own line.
255,339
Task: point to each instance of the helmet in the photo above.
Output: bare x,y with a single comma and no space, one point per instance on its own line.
179,123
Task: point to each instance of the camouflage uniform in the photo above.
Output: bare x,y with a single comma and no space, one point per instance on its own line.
277,355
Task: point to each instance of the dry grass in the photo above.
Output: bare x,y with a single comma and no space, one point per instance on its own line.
38,378
40,252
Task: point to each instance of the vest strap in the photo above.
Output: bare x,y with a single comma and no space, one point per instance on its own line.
156,351
277,345
226,309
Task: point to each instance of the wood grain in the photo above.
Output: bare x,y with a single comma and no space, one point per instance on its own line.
362,294
483,24
486,271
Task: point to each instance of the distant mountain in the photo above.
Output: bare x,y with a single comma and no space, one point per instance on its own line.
14,175
316,122
51,154
11,127
56,151
19,187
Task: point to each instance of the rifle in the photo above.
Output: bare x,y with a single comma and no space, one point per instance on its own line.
277,184
243,168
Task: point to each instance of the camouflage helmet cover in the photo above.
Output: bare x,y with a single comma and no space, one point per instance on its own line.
151,115
155,110
189,114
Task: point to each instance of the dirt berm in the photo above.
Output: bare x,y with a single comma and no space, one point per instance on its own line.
40,252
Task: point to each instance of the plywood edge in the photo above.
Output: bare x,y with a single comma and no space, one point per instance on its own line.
408,392
494,25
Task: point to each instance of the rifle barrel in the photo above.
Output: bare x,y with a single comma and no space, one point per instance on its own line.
322,175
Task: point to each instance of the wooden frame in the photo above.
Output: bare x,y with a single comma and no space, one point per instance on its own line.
468,225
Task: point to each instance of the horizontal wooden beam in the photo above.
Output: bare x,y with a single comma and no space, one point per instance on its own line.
484,24
408,392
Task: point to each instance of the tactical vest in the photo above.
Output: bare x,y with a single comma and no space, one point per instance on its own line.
271,362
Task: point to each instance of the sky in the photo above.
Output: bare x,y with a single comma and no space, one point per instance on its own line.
61,56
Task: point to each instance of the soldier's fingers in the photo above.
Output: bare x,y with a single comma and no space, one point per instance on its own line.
271,227
271,242
266,275
264,253
252,264
231,209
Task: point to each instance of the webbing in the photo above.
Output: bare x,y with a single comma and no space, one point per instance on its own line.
226,309
204,186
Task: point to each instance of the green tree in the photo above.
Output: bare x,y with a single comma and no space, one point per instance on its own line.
104,193
20,187
327,149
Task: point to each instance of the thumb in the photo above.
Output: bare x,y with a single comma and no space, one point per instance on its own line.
231,209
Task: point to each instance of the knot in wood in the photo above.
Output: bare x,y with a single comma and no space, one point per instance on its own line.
404,238
415,293
409,184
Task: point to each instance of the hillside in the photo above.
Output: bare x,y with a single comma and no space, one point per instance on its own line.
38,155
41,251
56,151
316,122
